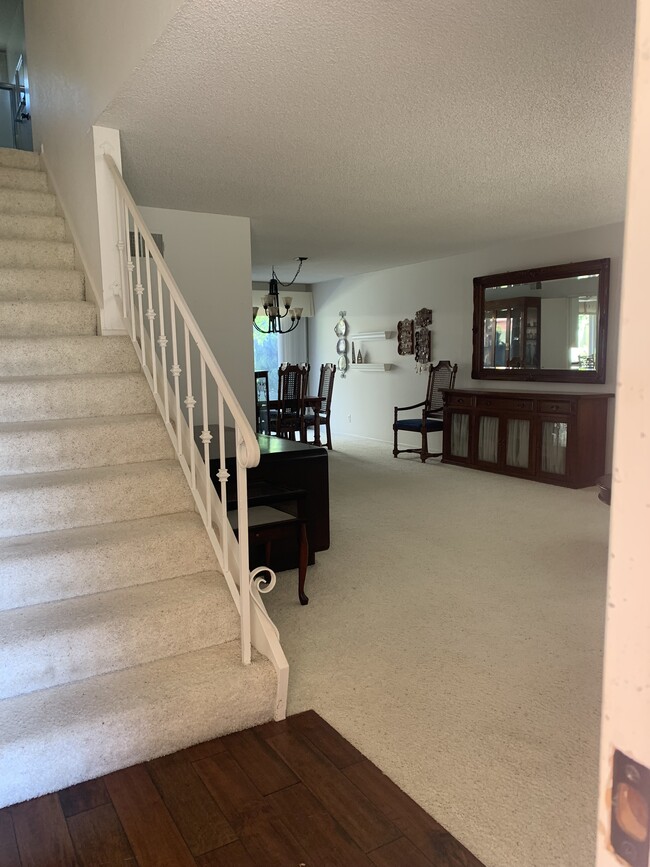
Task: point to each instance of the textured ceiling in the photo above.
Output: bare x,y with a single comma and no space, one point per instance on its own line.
373,133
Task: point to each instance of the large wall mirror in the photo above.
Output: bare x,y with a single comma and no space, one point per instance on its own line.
543,324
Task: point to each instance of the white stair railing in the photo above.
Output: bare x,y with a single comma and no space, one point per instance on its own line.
199,404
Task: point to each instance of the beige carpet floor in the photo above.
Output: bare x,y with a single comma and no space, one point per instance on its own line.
454,634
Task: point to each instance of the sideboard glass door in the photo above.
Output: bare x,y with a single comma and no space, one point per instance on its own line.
488,439
459,447
518,451
553,447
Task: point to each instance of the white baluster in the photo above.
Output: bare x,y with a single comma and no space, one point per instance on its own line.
162,343
223,475
244,578
151,315
190,403
139,289
129,267
176,372
206,439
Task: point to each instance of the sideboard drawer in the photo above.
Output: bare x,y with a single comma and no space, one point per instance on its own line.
460,400
510,404
564,406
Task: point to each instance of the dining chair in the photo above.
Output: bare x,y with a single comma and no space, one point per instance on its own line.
292,387
322,415
441,376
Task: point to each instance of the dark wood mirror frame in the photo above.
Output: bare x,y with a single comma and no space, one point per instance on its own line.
598,267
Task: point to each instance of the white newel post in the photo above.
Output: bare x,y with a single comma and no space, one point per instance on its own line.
107,141
624,780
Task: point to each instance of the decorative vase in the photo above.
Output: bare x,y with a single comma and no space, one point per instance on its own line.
359,358
353,355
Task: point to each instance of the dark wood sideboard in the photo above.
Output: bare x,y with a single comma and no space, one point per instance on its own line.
554,437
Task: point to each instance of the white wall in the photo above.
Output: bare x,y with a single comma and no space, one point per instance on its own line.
210,258
79,53
378,300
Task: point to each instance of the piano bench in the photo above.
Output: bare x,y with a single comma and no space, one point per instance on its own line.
267,525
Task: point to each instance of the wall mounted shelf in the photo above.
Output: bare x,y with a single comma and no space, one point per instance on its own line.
369,367
372,335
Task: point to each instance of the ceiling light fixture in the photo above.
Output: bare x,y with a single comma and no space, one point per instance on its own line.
271,305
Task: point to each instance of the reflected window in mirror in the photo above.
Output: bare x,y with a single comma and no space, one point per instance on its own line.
542,324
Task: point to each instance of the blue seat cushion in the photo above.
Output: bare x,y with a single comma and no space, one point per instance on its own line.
415,424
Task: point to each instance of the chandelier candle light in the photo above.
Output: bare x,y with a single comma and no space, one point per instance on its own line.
271,304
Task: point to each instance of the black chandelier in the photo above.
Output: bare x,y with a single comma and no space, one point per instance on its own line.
271,305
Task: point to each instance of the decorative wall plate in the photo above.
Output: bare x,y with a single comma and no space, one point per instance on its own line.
405,337
342,346
341,327
422,346
342,363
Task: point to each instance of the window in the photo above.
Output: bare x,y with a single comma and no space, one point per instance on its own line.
265,353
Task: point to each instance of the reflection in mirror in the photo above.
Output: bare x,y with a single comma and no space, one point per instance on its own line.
542,324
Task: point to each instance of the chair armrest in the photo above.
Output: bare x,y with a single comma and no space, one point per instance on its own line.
413,406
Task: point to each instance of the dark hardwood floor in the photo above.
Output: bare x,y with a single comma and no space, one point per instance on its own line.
292,794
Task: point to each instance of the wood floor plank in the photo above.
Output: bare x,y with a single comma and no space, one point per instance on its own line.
328,843
233,855
296,803
8,848
271,729
99,838
203,750
338,750
194,810
418,826
235,794
400,851
363,821
271,844
84,796
146,820
261,764
42,834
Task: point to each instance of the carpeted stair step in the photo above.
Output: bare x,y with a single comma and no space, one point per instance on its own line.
41,284
42,356
35,254
85,729
77,396
13,158
12,178
32,227
46,567
39,502
48,645
66,444
47,318
27,202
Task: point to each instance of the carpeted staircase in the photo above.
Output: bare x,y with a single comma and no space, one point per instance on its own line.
119,640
